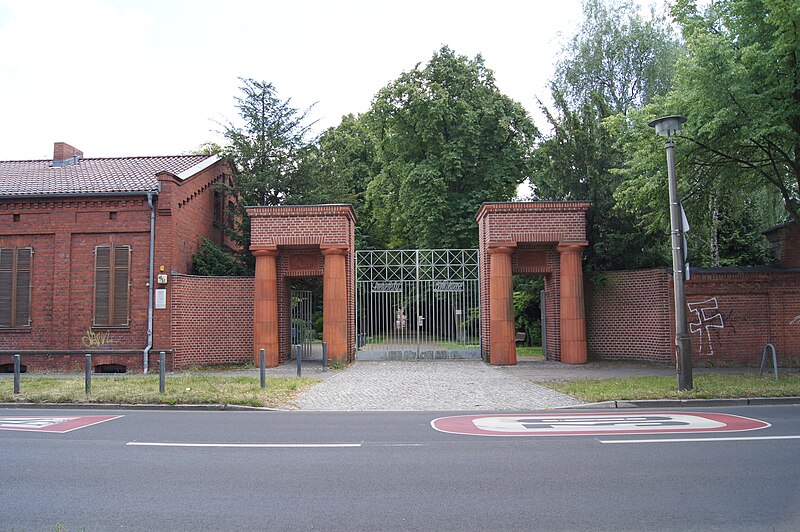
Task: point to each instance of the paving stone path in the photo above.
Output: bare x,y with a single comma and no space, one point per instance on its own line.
428,385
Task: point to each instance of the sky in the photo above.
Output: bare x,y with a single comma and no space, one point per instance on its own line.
121,78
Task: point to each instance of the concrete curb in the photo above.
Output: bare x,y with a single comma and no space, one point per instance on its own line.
648,403
121,406
689,403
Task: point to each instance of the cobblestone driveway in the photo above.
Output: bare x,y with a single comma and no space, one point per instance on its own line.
428,385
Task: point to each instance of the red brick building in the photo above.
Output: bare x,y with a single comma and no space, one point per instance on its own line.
88,247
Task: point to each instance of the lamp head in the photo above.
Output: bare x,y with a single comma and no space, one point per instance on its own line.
666,126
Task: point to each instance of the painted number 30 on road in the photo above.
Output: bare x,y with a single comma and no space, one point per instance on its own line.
595,424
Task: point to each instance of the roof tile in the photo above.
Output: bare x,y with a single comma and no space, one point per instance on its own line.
90,176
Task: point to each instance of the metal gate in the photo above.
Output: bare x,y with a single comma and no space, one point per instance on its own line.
302,323
413,304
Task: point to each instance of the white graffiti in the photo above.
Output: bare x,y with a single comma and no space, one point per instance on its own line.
707,319
795,321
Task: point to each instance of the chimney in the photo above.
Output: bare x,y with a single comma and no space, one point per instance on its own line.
64,154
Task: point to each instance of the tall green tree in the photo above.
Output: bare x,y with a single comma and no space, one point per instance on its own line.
265,148
726,211
617,59
338,169
740,87
446,140
616,62
737,155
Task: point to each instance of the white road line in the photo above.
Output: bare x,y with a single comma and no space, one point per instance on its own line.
681,440
248,445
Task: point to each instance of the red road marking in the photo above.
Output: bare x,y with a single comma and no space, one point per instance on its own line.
56,424
572,424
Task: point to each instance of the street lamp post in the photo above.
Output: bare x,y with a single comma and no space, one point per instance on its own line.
666,127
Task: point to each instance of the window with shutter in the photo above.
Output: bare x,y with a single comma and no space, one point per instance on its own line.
15,287
111,285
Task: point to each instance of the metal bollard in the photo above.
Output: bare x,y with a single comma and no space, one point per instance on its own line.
16,374
262,356
88,374
324,356
161,371
769,347
298,355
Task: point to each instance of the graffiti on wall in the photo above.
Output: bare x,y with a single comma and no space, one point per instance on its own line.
96,339
795,321
706,317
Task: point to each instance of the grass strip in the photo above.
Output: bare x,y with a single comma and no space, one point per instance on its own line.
705,387
530,351
188,389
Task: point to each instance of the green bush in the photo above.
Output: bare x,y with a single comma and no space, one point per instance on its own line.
215,260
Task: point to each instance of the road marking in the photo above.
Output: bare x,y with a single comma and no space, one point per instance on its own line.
53,424
575,424
680,440
248,445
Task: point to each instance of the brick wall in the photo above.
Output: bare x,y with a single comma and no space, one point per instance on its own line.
184,216
733,313
212,320
192,205
298,231
535,228
629,316
785,241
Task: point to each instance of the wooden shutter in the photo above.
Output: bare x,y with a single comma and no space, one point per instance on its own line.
6,285
122,261
112,285
22,299
15,287
102,284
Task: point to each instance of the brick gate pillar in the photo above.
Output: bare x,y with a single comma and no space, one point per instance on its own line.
334,303
573,322
502,344
265,319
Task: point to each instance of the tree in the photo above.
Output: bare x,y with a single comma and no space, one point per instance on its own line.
213,259
732,170
527,307
265,152
208,148
338,169
617,59
740,87
446,140
615,63
726,214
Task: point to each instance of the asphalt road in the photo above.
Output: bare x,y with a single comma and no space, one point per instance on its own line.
391,471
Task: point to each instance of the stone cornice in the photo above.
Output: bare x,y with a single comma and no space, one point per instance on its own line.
532,207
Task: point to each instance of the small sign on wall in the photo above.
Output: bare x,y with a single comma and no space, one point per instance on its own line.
161,298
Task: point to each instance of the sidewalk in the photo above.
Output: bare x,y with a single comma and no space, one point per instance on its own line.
466,385
428,385
440,385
